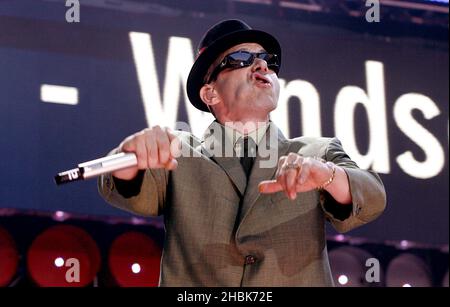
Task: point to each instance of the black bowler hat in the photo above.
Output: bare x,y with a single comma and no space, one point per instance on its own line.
218,39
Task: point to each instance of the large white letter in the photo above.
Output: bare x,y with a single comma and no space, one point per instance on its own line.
310,106
179,61
374,102
435,159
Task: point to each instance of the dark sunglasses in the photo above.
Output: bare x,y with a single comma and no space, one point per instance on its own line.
241,59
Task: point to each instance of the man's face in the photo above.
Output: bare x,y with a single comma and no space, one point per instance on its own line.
246,92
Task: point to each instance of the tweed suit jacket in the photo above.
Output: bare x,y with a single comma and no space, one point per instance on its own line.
220,231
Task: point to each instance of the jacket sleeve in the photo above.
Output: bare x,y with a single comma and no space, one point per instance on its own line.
149,201
366,188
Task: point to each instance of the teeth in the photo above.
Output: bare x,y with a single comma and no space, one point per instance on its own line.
261,80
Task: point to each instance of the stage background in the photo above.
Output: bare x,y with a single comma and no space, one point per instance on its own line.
95,56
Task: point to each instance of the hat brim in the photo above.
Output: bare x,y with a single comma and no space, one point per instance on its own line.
206,58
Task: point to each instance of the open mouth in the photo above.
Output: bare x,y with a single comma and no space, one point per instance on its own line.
260,79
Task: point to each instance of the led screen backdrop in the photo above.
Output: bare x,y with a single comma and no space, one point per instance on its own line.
385,97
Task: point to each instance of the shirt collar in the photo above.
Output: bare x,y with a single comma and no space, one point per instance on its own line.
234,135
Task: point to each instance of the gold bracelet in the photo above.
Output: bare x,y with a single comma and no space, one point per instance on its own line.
330,180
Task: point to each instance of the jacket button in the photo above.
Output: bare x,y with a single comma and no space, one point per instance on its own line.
250,259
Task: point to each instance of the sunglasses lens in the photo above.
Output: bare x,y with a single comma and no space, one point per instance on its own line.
271,59
273,62
239,59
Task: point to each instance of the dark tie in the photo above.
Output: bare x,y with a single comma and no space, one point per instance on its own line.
248,155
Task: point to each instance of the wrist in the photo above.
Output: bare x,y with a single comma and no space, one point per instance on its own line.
331,171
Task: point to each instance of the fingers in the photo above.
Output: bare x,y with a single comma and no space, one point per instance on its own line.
171,165
163,146
153,148
293,165
269,186
286,176
287,172
150,156
175,144
304,173
292,176
131,172
280,178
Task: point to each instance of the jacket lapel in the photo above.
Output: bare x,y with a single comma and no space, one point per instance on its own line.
216,146
234,170
260,173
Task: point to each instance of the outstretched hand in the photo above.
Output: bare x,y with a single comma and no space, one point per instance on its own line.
154,147
296,174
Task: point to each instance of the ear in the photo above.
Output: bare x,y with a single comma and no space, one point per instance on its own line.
209,95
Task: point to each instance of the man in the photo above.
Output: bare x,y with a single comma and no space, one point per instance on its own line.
235,221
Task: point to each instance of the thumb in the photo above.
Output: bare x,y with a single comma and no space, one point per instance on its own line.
269,186
175,144
171,165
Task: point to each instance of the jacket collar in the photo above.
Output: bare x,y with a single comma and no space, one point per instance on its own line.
219,148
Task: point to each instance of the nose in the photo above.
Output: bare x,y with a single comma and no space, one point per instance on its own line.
259,65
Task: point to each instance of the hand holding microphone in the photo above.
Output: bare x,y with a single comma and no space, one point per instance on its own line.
154,147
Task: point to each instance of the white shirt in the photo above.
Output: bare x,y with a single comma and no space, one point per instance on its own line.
236,137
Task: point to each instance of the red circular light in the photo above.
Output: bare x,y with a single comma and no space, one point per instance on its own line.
76,254
9,258
134,260
408,270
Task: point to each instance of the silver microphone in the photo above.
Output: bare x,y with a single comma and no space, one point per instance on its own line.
97,167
